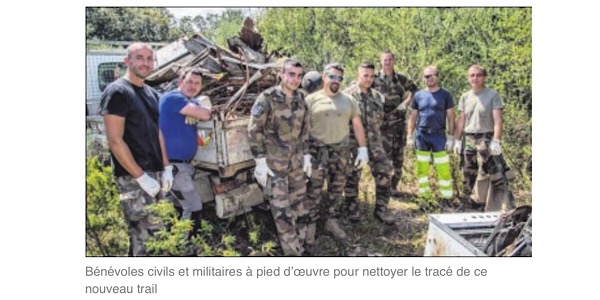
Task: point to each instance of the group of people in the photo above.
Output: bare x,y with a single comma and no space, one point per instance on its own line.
306,134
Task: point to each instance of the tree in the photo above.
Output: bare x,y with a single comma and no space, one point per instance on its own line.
131,24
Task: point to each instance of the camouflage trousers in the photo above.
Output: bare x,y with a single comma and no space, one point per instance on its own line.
393,133
483,181
382,172
142,224
329,163
286,194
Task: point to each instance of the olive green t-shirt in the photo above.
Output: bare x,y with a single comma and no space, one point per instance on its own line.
478,110
330,116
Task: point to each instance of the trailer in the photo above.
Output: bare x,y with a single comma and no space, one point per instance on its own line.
232,79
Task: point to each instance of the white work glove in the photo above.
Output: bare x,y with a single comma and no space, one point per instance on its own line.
449,143
495,147
457,147
262,171
362,158
190,120
167,179
148,184
401,107
410,142
307,166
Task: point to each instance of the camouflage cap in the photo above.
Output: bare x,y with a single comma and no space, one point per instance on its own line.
311,81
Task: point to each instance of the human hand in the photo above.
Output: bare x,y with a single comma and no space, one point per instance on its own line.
262,171
148,184
457,147
362,157
449,143
307,166
495,147
167,179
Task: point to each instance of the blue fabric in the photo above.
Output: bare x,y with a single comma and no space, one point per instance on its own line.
430,142
432,109
180,138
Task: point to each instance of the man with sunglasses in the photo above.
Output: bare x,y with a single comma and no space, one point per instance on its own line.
398,91
370,103
480,117
278,134
330,113
432,108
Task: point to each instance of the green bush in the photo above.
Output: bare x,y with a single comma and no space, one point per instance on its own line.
106,231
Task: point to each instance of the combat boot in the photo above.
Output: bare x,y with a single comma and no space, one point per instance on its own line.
353,211
332,226
354,215
383,216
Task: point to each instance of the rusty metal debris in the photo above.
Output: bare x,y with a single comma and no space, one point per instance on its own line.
233,77
512,235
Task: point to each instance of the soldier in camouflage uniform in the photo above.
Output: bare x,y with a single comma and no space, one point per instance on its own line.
480,117
370,103
398,91
330,112
278,133
130,113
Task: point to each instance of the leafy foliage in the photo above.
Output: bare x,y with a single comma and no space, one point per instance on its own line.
130,24
106,231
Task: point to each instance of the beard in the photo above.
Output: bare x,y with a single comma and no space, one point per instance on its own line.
334,87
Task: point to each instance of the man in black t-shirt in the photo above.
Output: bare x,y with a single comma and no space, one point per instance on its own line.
130,112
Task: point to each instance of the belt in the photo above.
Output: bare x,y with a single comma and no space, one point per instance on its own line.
480,135
181,161
432,131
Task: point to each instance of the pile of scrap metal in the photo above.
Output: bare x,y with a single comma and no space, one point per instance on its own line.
233,77
512,234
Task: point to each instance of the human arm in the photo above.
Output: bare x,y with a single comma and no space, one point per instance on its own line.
256,137
167,174
196,111
460,124
115,128
498,124
362,157
450,136
359,131
410,128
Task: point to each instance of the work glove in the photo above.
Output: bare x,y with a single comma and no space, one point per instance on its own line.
410,142
148,184
307,166
167,179
449,143
457,147
262,171
401,107
191,120
362,157
495,147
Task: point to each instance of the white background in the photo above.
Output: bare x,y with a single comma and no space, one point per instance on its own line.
42,250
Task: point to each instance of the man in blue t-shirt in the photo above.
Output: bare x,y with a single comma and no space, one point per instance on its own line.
432,106
179,113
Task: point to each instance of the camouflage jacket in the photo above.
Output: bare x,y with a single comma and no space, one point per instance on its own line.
278,128
371,106
394,89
